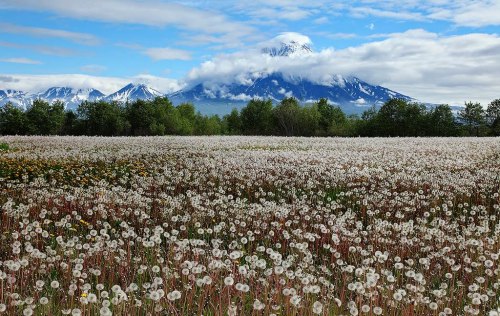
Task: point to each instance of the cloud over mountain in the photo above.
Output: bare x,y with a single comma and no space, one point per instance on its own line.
422,64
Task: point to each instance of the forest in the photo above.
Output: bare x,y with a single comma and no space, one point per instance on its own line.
158,117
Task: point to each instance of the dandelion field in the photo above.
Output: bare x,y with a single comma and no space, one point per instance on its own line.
249,226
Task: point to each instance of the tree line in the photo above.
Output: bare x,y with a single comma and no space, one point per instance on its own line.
395,117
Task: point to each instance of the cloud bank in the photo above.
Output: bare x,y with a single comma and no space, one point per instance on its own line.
107,85
418,63
424,65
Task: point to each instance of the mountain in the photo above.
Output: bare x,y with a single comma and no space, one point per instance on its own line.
71,97
272,70
352,94
74,97
133,92
16,97
287,49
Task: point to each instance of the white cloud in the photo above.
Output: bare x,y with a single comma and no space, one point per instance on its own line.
321,20
81,38
469,13
472,13
421,64
399,15
107,85
144,12
93,68
43,49
286,37
20,60
167,53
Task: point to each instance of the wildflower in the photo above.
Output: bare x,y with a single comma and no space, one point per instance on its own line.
105,311
28,312
317,307
258,305
228,281
174,295
295,300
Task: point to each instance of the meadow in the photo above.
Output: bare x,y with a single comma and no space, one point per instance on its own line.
249,226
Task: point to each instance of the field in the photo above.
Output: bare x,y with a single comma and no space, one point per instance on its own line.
249,226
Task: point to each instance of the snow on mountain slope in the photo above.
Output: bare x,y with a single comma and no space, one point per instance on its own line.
71,97
285,66
16,97
74,97
287,45
351,94
133,92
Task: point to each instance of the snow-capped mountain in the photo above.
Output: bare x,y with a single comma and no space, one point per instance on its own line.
74,97
351,94
133,92
287,45
16,97
275,69
71,97
267,81
292,48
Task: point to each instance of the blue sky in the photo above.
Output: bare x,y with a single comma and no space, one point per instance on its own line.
436,51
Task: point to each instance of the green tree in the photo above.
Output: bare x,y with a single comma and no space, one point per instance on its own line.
102,118
71,124
256,117
208,125
44,118
398,117
165,116
414,120
233,122
12,120
390,118
493,117
56,117
288,117
441,121
187,118
333,121
473,117
142,119
310,117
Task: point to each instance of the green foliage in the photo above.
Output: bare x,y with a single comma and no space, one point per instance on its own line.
440,121
207,125
233,123
4,147
186,119
102,118
493,117
399,117
395,118
332,121
309,120
257,118
288,117
44,118
71,124
12,120
473,118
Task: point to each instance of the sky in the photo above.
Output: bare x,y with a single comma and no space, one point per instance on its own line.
434,50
